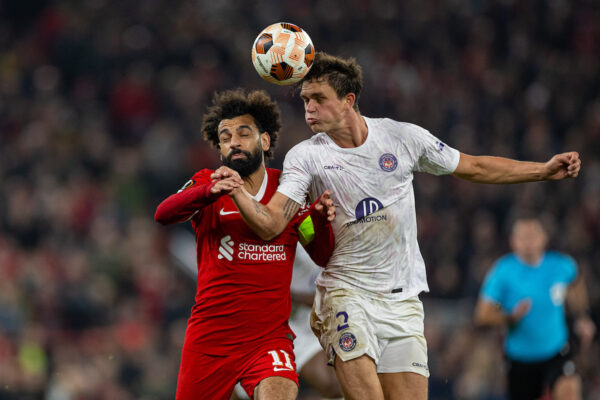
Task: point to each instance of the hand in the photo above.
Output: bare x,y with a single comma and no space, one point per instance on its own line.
226,172
585,329
226,186
325,205
519,311
564,165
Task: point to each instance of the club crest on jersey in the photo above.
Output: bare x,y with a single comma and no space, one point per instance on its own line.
388,162
347,341
226,248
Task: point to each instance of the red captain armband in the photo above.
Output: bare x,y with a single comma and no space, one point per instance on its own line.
316,236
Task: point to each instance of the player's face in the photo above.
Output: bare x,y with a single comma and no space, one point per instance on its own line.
528,240
323,110
241,144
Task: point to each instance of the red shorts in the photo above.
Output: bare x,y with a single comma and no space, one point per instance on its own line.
204,376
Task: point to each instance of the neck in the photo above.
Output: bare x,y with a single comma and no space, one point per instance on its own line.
253,181
352,131
531,259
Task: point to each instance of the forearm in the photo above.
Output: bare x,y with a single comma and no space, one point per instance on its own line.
499,170
322,244
577,299
181,206
491,315
265,222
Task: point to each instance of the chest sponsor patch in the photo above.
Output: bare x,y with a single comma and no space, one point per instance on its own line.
367,206
230,250
388,162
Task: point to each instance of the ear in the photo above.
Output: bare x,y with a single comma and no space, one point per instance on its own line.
220,152
265,141
349,99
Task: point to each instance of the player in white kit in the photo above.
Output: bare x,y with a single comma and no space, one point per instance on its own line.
367,313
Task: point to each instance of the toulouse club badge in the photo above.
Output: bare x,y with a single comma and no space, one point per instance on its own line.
388,162
347,341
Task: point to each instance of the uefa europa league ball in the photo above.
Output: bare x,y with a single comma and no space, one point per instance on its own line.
282,53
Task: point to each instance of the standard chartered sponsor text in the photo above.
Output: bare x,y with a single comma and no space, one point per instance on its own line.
261,252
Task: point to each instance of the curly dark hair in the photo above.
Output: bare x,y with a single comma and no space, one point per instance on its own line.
233,103
344,75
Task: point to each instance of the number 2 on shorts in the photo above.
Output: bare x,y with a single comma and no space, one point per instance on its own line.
343,325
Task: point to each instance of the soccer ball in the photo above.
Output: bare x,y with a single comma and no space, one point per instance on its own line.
282,53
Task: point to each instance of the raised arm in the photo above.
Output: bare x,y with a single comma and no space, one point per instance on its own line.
488,169
183,205
269,220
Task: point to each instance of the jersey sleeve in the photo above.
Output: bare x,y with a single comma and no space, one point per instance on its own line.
569,268
295,178
429,153
315,234
492,289
191,198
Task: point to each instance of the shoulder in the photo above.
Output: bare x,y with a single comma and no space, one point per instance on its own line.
558,256
203,174
391,131
273,173
504,264
199,178
202,177
561,259
306,147
317,139
396,127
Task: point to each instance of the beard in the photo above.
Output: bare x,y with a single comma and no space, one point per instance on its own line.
242,166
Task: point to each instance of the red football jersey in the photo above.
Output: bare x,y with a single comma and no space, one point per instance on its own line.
243,289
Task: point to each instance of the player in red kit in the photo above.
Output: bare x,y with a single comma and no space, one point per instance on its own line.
238,329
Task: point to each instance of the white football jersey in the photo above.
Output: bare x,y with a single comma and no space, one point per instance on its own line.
375,227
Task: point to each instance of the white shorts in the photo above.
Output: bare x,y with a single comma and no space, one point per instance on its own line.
349,324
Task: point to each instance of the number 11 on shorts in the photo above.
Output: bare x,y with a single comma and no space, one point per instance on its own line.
278,365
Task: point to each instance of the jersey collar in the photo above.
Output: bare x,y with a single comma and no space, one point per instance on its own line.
263,188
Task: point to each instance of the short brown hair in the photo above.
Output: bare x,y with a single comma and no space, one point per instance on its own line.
233,103
344,75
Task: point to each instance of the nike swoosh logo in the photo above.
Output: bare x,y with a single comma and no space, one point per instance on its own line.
223,212
282,369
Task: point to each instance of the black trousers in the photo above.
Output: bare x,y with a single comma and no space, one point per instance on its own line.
527,381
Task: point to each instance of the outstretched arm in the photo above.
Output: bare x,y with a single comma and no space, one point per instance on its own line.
488,169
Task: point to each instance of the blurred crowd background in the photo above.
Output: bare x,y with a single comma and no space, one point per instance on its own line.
100,111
